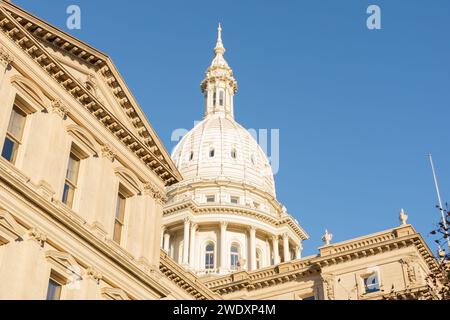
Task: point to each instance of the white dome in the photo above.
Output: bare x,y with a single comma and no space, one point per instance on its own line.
218,148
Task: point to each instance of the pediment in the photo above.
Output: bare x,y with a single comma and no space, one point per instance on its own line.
9,228
114,294
64,261
66,60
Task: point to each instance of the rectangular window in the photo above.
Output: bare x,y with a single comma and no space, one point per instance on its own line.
14,134
256,205
234,200
70,184
221,98
210,199
371,283
54,289
119,220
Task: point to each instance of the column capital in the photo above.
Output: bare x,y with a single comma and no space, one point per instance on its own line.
58,107
37,235
285,236
5,57
223,224
109,153
251,229
93,273
275,238
187,220
194,226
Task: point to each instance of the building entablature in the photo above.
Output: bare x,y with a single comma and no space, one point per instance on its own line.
321,265
210,213
187,188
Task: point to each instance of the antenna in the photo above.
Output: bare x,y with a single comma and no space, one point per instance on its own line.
441,209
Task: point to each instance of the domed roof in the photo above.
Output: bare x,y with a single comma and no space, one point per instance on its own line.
218,148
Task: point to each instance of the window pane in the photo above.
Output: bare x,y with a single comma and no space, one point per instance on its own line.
221,98
54,290
16,123
120,207
9,150
371,284
68,194
117,231
73,168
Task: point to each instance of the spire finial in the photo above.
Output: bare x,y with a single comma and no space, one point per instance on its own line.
219,49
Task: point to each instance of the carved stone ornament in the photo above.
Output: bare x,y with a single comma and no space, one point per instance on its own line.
5,57
328,282
58,108
154,191
93,273
37,235
108,153
410,263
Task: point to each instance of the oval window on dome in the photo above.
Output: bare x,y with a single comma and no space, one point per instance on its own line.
211,153
252,159
191,156
233,153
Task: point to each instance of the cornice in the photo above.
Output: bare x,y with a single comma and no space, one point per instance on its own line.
185,279
22,28
274,275
189,185
199,210
381,242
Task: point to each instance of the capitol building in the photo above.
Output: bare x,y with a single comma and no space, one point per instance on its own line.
224,215
93,207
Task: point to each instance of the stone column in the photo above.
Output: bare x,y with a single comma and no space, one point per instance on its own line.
287,254
163,230
268,255
187,225
298,251
252,249
223,247
166,241
192,246
276,254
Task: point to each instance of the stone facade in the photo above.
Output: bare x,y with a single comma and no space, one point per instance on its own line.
93,207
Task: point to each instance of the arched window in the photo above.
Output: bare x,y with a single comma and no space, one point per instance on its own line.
233,153
221,98
258,259
214,99
211,153
209,256
234,257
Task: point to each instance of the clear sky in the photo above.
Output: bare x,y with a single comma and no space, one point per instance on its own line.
357,109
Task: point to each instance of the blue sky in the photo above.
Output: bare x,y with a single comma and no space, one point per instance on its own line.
358,110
